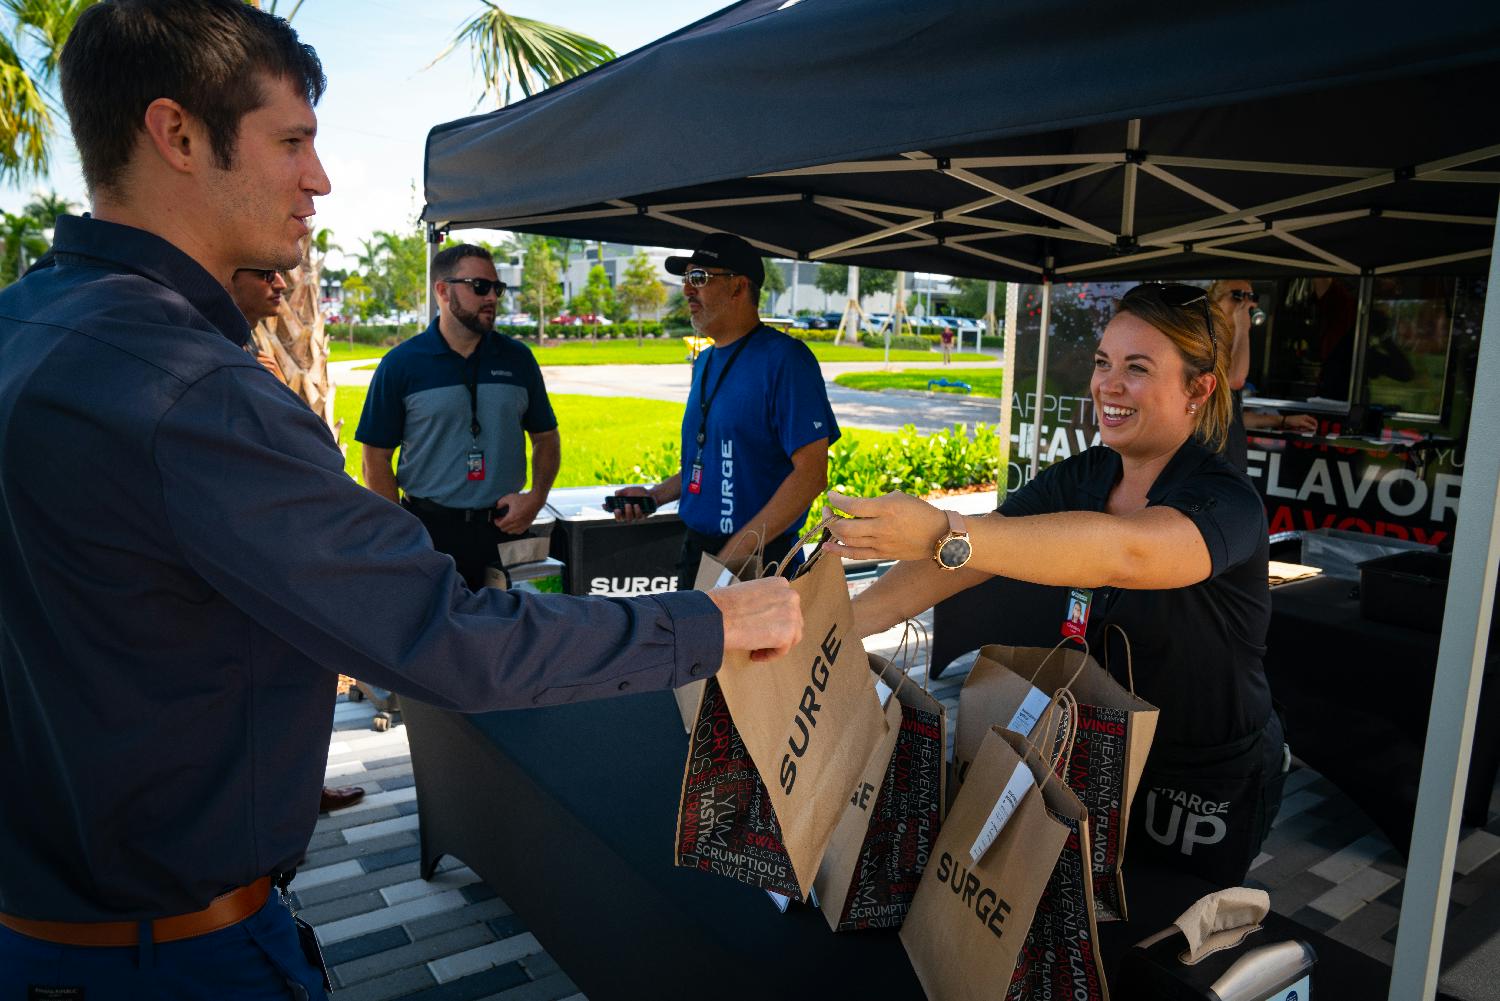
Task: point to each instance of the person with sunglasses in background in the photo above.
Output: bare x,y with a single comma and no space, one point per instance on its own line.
456,399
1235,297
758,424
258,294
1153,531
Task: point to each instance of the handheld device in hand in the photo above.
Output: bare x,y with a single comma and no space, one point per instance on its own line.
621,502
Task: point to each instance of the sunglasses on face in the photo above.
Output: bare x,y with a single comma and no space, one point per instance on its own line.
481,286
1241,295
269,277
699,278
1178,296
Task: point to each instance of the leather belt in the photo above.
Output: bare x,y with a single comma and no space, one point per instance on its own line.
423,506
225,910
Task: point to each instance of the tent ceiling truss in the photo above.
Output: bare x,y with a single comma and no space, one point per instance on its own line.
899,227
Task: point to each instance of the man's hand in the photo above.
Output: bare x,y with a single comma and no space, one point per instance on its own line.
763,616
271,365
523,508
633,512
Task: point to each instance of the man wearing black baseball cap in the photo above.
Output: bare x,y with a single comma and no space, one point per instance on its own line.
757,427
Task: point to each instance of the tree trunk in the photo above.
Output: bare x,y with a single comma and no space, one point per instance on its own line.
296,338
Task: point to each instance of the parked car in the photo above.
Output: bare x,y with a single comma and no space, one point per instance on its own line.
779,322
517,320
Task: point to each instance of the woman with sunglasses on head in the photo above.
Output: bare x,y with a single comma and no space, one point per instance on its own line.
1157,534
1236,299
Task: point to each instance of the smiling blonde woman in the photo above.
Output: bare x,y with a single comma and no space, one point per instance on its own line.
1154,532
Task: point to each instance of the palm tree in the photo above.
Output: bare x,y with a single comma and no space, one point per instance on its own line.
510,52
46,206
29,52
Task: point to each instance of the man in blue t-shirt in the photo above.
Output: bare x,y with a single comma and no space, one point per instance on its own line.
456,399
757,427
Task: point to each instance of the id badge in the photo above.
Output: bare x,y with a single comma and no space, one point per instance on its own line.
475,463
1077,622
695,479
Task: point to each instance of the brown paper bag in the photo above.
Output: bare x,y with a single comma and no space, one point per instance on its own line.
713,574
883,841
809,721
725,824
1060,958
969,919
1115,730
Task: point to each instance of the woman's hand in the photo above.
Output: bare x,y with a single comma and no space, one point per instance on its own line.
894,527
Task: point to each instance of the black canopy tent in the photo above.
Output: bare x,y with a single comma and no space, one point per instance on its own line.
1109,140
1031,142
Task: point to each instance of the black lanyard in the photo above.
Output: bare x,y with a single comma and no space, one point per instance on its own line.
704,402
471,381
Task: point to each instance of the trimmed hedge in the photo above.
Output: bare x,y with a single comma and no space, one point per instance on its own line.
905,342
915,463
388,335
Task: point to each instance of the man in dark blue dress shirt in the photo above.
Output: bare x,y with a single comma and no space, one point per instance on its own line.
185,567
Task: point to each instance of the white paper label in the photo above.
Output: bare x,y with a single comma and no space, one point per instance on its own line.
725,578
1032,707
1015,790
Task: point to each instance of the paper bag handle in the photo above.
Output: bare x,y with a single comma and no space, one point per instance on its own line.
1129,659
786,560
1062,700
915,634
1064,640
758,550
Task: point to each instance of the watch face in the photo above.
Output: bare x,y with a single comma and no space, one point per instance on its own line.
955,552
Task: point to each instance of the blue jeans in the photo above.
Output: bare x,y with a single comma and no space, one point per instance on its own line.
259,958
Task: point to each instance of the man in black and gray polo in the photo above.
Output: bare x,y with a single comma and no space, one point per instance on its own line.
456,399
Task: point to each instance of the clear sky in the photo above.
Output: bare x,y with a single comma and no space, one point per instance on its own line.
380,102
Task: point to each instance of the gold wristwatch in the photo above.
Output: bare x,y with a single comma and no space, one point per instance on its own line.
953,550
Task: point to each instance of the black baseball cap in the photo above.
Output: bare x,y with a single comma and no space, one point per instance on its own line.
722,250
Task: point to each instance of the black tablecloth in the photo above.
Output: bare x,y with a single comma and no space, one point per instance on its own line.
1357,695
569,813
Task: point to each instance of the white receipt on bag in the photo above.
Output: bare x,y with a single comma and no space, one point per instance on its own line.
726,577
1015,790
1031,710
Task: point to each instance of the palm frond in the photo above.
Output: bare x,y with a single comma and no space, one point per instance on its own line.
511,53
25,119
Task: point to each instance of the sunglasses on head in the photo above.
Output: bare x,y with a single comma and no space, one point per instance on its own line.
1179,296
699,278
481,286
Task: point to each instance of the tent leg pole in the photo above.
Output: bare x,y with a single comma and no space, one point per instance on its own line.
1455,690
1041,381
1007,381
435,237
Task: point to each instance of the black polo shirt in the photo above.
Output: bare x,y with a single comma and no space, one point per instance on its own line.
185,568
1197,649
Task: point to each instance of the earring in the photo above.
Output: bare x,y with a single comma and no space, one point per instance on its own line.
1192,408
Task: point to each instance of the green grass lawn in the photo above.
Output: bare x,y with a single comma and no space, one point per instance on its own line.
590,428
985,381
657,352
342,351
